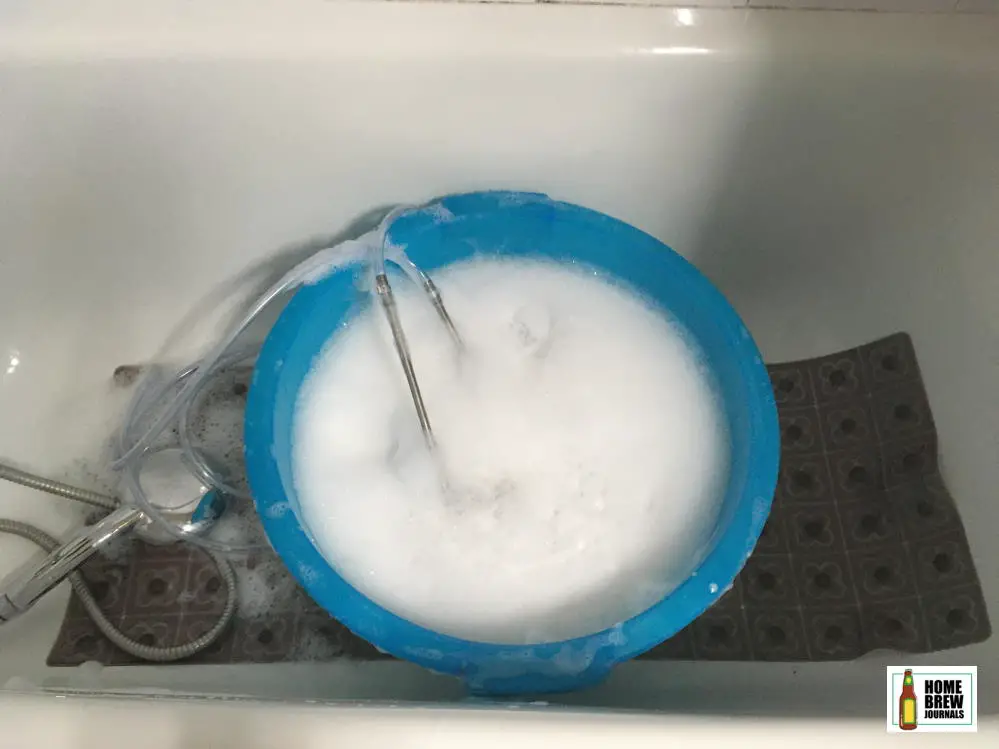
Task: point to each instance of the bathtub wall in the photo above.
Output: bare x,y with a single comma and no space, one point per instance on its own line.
890,6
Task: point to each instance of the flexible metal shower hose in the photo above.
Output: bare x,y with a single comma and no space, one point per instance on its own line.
9,473
116,636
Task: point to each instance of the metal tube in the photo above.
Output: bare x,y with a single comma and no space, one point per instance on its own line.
387,298
435,298
54,487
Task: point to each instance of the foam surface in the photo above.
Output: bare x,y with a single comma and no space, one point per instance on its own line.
582,448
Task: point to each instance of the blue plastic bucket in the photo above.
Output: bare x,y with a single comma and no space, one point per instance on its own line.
520,224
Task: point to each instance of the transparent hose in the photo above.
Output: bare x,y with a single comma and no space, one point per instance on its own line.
383,293
195,458
180,391
326,261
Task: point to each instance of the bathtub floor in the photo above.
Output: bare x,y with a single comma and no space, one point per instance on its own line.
836,175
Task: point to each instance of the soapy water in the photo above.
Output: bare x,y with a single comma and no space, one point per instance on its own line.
314,646
583,450
216,423
263,587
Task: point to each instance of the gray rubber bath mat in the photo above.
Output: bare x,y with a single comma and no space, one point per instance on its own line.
864,549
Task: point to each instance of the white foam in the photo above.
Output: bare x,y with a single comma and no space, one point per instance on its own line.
584,450
263,588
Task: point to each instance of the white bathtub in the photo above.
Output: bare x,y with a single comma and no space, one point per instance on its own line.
836,174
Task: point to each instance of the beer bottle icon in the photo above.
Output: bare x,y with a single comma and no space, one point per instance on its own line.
907,703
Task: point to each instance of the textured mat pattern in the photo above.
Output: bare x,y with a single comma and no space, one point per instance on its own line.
864,549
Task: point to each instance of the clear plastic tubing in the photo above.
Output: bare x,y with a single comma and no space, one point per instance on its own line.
133,446
326,261
208,475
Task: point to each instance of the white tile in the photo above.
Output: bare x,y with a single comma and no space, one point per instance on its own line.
910,6
978,6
